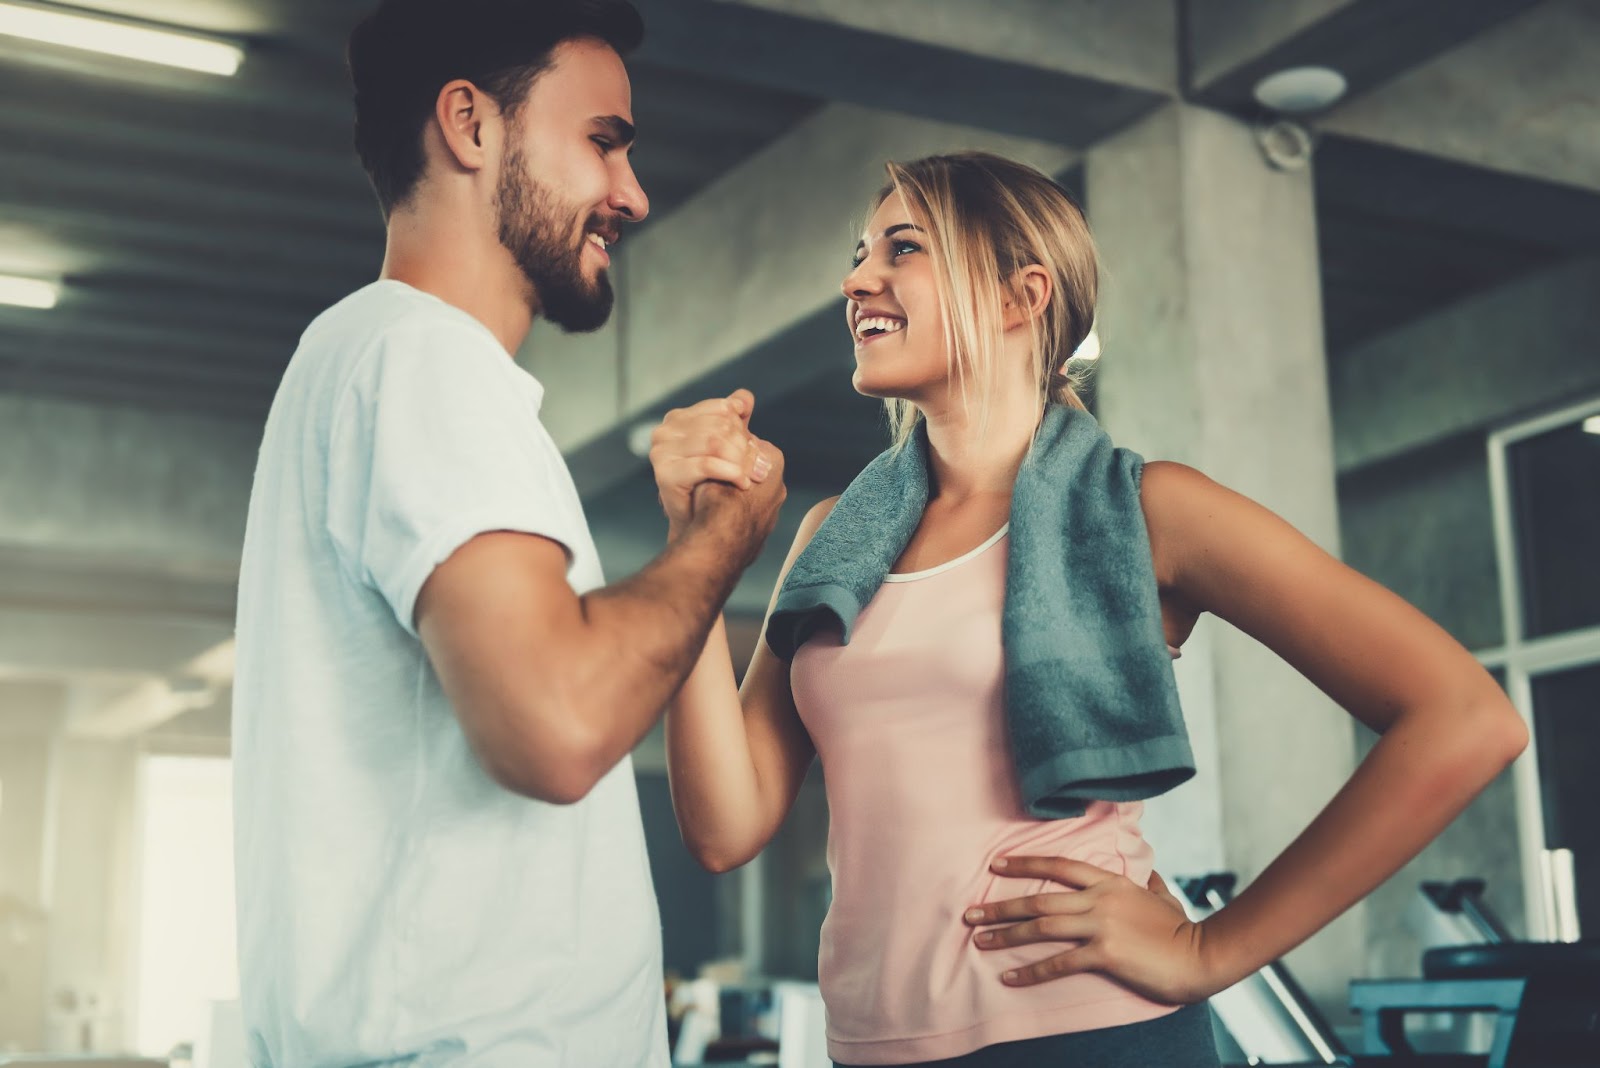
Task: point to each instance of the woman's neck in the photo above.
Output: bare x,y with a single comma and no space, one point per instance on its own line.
969,457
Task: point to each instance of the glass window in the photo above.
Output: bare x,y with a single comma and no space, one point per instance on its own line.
186,948
1556,512
1566,710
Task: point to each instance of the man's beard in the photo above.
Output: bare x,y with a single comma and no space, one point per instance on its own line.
532,228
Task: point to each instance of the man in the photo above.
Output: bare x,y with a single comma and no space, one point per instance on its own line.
440,856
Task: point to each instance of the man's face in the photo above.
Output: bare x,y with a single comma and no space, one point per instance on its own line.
573,132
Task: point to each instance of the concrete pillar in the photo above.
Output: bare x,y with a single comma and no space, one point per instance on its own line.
1212,325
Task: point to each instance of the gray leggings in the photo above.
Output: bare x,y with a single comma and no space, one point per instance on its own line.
1181,1039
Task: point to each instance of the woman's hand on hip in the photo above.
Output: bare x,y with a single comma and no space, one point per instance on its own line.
1139,936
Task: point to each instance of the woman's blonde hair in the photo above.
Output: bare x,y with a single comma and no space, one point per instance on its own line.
988,217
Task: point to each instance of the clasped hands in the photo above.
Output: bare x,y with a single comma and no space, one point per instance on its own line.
706,444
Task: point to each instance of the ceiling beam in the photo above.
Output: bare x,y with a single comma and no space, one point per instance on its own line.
833,58
202,683
1518,99
123,484
1230,45
206,133
61,176
1520,347
45,643
1423,189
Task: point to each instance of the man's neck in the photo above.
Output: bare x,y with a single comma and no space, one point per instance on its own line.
472,272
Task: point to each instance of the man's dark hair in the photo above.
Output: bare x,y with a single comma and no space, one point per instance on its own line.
407,50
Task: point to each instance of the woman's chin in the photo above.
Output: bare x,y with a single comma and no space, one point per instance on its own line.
867,387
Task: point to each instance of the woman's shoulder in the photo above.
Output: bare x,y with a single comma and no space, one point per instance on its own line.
1176,498
1167,483
809,525
816,514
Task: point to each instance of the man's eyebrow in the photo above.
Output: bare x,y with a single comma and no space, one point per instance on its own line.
620,129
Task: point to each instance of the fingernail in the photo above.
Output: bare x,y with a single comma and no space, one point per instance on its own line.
1009,977
985,938
762,467
974,914
1000,864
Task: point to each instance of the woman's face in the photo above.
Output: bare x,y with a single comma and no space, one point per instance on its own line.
893,311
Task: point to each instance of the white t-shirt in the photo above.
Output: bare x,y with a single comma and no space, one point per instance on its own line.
397,906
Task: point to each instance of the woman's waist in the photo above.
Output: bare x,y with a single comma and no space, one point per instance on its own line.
894,874
898,961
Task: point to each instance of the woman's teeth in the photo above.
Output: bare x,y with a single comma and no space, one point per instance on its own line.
872,326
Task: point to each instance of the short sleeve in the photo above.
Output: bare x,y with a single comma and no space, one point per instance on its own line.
434,440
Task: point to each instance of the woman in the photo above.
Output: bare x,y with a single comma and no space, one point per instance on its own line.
964,929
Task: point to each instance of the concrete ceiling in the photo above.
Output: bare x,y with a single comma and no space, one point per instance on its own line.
200,222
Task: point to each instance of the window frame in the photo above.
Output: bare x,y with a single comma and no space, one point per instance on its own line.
1523,659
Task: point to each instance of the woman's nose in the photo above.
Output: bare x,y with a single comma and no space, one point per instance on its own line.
861,282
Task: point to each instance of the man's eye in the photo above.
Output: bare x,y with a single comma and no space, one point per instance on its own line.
605,143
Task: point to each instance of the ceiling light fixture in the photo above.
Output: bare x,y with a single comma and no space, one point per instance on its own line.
73,28
1591,425
28,292
1300,90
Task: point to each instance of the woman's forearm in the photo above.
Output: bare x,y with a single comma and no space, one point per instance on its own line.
1421,774
715,790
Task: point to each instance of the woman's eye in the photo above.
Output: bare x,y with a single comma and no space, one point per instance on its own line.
902,247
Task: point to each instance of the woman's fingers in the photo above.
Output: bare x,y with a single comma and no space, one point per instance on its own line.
1026,908
1076,873
1073,962
715,433
1078,927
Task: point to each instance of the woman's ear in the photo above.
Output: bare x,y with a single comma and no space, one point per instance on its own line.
1031,290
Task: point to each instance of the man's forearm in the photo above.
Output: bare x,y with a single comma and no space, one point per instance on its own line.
645,633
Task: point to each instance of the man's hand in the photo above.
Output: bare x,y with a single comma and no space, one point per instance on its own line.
709,441
1139,936
744,517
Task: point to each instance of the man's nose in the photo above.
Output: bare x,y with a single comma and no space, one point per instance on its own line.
628,198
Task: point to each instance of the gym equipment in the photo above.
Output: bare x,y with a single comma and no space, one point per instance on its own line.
1545,996
1267,1016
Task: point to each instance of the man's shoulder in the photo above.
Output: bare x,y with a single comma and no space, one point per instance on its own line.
394,314
388,337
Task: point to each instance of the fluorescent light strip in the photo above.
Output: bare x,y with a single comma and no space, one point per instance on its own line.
1591,425
115,38
28,292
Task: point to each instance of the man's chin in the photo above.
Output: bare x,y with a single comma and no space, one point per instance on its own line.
583,317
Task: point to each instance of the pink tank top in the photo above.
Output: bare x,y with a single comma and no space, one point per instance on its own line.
908,722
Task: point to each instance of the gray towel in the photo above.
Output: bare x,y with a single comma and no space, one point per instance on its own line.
1091,703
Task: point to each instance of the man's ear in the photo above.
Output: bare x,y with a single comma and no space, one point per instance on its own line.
1031,288
462,111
